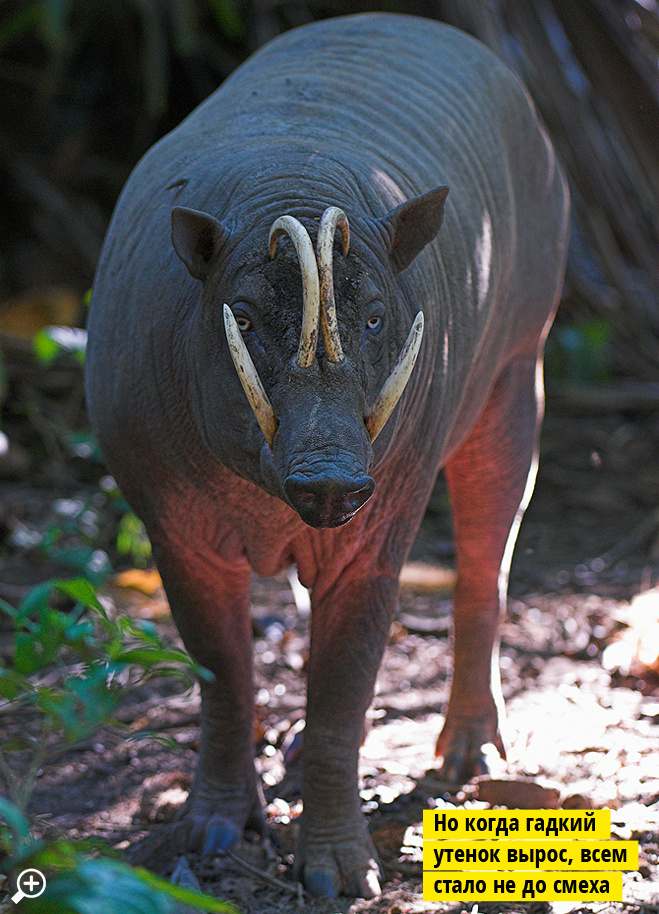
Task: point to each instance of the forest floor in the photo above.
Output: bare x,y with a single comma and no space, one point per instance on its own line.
579,653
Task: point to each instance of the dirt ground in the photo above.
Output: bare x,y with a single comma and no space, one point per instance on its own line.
578,659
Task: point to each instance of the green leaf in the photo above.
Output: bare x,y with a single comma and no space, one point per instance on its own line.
93,562
227,15
82,444
11,815
12,683
83,591
59,707
132,539
187,896
580,352
148,657
38,649
152,736
55,855
52,342
19,745
8,609
105,886
36,600
83,706
19,23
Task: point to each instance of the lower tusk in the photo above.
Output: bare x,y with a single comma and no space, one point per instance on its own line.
395,384
249,378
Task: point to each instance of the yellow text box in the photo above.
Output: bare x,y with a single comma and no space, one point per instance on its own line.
506,886
530,855
562,824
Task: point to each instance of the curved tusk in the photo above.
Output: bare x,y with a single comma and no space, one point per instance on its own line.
249,378
332,218
288,225
395,383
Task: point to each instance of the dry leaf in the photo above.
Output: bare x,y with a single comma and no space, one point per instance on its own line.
518,794
424,578
27,314
389,837
147,582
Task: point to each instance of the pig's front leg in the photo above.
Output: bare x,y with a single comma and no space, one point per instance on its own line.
210,605
349,629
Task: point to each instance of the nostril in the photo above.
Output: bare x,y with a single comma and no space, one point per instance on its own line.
355,499
306,498
326,499
300,491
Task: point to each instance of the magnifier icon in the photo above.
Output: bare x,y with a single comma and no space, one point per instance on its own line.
30,884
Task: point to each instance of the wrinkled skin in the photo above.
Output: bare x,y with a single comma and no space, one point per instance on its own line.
373,114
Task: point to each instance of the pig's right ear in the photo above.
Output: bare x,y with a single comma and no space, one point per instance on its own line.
197,238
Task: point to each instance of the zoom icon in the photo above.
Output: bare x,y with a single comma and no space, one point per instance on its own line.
30,884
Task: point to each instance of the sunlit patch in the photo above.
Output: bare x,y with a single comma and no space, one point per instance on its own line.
484,260
392,192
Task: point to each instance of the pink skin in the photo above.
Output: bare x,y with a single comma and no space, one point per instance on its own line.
205,569
490,480
177,432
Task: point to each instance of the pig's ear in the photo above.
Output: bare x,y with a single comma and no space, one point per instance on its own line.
412,225
197,238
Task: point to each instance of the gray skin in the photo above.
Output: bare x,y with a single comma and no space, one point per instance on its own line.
376,114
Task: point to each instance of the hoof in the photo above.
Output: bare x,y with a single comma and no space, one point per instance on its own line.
461,765
345,866
220,835
184,877
326,882
217,824
460,745
321,882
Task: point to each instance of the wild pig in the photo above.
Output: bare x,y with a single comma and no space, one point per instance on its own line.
262,408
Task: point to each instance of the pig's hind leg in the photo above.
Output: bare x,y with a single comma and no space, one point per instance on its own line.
490,479
210,605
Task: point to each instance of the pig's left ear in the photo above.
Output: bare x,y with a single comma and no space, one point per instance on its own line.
412,225
197,238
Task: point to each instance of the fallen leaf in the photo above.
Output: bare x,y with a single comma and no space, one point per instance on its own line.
147,582
577,801
25,315
515,794
422,578
389,837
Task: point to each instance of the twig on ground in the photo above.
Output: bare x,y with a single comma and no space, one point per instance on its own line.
265,877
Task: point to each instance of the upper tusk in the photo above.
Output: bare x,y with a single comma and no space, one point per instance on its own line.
394,386
249,378
288,225
332,218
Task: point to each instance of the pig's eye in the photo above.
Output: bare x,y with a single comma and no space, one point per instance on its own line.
244,323
374,323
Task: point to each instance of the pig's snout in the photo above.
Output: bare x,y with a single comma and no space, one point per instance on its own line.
325,501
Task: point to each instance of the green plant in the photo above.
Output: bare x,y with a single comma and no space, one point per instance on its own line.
68,658
52,342
579,352
132,540
79,884
65,670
